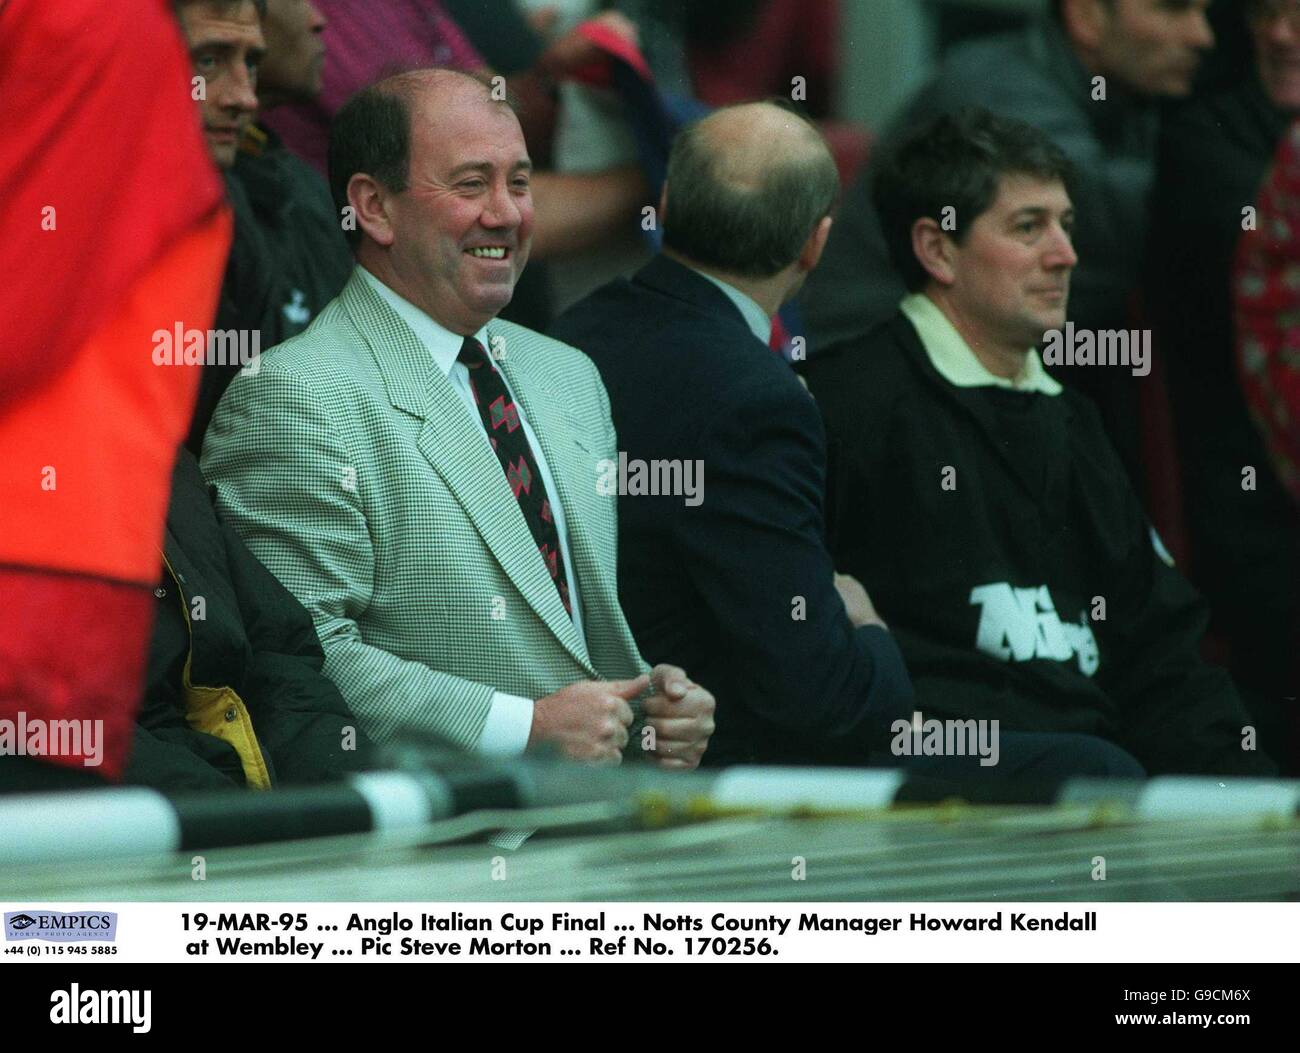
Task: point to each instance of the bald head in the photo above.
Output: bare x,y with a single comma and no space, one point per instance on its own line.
741,141
747,186
435,88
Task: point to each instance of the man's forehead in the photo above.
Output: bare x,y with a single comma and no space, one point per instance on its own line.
1143,8
468,131
222,24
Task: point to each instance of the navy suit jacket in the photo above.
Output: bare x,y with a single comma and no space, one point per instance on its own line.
737,588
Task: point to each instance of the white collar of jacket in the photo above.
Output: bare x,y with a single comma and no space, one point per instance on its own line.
442,343
952,357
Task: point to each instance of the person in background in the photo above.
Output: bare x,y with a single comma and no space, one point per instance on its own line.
1266,298
578,211
1243,526
1267,308
732,578
1090,75
234,693
290,257
742,50
365,42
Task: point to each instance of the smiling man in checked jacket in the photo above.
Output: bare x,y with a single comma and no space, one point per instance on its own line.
435,506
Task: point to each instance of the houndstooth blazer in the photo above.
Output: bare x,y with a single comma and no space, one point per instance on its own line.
351,468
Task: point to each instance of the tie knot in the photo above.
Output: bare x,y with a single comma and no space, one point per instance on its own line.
472,353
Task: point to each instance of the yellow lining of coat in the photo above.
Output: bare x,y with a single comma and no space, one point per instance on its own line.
219,711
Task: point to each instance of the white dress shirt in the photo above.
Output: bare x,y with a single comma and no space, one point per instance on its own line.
511,717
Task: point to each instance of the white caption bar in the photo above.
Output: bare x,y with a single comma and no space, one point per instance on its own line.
667,932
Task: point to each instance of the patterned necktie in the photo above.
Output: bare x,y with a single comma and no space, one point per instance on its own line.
501,421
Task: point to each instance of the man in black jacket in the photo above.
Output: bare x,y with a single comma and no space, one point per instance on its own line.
981,503
234,694
289,256
290,202
725,570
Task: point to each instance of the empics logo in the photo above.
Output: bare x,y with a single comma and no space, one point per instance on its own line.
70,926
75,1006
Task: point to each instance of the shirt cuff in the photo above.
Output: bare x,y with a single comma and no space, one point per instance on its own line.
509,722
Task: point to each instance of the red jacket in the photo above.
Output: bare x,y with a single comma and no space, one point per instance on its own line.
117,228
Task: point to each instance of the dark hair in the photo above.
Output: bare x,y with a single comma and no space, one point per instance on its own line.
956,161
371,134
1256,8
753,228
259,4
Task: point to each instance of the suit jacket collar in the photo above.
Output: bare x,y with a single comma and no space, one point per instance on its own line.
679,282
450,441
402,362
441,342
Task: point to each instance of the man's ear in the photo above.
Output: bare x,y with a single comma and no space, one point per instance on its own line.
370,200
933,248
1085,21
815,245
